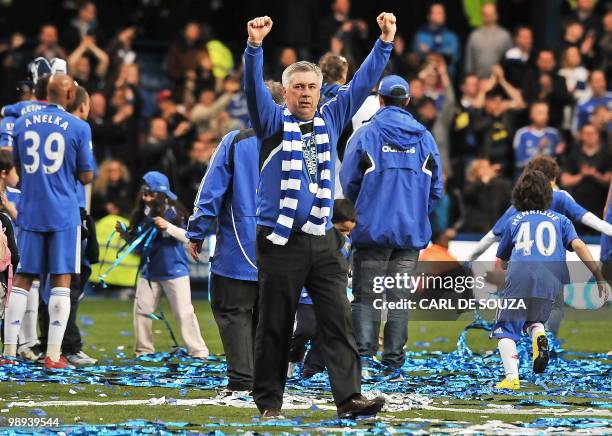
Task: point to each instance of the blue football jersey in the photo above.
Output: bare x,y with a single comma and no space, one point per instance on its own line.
562,202
536,242
51,147
6,131
530,142
22,108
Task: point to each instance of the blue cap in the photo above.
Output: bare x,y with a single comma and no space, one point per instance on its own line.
158,182
38,68
394,86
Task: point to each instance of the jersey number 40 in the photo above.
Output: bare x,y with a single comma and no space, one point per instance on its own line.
524,241
53,150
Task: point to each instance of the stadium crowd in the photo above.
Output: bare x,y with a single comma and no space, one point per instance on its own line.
492,100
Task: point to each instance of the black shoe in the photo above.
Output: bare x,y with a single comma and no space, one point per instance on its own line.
272,414
358,405
540,361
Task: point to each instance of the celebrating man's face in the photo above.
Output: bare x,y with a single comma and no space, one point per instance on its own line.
303,93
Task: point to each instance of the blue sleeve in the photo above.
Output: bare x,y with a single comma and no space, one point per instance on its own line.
504,249
568,233
214,185
266,116
437,185
6,131
10,110
571,208
351,174
85,160
351,96
499,226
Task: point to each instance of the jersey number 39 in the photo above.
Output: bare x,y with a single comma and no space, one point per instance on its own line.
53,150
524,241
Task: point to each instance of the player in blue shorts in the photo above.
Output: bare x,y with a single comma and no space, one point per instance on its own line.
534,241
52,151
563,203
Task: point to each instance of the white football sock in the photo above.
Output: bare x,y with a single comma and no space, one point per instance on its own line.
535,329
18,301
509,356
28,336
59,310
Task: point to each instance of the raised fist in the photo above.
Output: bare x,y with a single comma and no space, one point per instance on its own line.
258,28
387,23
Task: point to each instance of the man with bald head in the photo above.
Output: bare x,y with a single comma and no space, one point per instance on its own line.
52,151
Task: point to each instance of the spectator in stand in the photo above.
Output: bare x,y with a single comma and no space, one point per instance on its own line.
438,121
123,132
237,108
494,124
417,93
286,57
350,32
432,79
14,59
604,46
190,173
101,126
602,120
600,96
157,153
198,79
487,44
519,59
178,123
536,139
183,53
574,36
48,46
404,63
79,64
112,190
587,173
85,24
585,15
335,71
576,77
120,52
435,37
210,106
543,83
486,196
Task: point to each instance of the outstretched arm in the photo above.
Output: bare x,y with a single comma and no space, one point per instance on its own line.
585,256
266,116
351,96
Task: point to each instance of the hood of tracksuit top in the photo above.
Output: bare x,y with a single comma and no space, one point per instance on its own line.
385,218
398,127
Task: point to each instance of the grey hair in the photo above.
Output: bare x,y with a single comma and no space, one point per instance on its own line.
301,67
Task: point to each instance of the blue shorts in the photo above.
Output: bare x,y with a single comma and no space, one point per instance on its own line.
50,252
513,323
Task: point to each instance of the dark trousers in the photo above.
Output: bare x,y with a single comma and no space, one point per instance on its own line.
369,263
234,306
72,343
306,330
316,263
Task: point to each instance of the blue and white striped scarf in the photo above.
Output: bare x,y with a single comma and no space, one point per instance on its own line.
293,158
